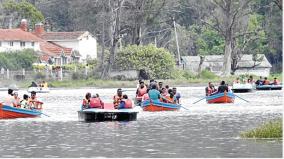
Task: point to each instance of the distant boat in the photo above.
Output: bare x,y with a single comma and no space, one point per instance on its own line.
269,87
152,106
9,112
226,97
242,88
107,114
39,89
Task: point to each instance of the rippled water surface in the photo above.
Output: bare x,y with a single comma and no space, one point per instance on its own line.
202,131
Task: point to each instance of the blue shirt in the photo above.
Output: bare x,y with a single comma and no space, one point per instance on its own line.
154,94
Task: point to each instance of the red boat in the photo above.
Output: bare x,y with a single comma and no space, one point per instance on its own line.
226,97
9,112
159,106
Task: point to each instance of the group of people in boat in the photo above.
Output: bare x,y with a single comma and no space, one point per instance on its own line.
260,81
27,102
157,91
120,101
211,90
42,84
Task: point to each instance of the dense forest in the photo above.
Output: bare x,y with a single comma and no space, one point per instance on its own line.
184,27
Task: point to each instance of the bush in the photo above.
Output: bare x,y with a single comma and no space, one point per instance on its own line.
157,62
39,75
272,129
76,76
206,74
18,59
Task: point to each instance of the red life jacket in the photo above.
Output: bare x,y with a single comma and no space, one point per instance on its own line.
209,91
146,97
95,103
128,104
142,91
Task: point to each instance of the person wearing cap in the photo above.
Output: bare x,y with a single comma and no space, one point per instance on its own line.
9,98
16,100
117,98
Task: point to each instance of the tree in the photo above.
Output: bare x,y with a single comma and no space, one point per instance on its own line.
15,11
157,62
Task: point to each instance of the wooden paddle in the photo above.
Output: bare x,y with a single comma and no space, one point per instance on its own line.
174,103
199,100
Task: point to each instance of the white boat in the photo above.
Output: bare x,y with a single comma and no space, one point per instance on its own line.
243,88
39,89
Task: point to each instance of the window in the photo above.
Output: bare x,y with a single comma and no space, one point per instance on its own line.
11,43
33,43
23,44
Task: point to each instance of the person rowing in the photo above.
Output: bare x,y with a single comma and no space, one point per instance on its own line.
210,89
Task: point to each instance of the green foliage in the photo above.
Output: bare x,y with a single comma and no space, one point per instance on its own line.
18,59
157,62
271,129
23,9
206,74
208,42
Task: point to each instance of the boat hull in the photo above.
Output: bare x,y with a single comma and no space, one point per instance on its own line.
221,98
107,114
159,106
9,112
242,90
269,87
38,89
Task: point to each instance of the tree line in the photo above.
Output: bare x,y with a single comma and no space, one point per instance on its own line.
186,27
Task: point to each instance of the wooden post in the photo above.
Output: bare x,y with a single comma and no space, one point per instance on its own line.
177,45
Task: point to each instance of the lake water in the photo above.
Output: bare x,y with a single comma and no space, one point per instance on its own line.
202,131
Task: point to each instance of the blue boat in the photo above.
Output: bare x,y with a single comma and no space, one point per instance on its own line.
9,112
150,105
226,97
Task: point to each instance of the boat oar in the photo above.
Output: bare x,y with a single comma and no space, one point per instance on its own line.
241,98
199,100
44,114
174,103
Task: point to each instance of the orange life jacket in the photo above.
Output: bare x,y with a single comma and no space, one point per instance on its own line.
266,82
95,103
142,91
116,100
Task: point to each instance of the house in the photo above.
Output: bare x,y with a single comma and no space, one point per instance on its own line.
214,63
53,47
82,42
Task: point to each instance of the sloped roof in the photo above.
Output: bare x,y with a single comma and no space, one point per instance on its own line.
17,35
246,60
49,36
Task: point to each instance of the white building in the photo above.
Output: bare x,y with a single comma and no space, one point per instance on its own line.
82,42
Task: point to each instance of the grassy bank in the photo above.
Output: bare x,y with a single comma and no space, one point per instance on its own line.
271,129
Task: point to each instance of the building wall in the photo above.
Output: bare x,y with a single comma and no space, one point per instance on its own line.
257,71
5,46
88,47
74,44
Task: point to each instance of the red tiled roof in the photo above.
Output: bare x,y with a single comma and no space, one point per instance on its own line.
54,50
61,35
17,35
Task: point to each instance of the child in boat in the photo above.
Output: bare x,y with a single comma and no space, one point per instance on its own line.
96,102
171,98
117,98
125,103
25,103
86,101
16,100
